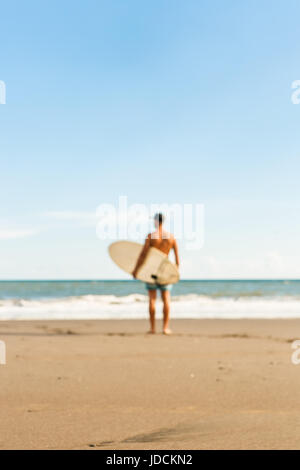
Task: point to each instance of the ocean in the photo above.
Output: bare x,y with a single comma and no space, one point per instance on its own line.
33,300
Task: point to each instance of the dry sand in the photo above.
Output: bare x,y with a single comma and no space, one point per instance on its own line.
216,384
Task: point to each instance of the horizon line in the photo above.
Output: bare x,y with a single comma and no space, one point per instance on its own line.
137,280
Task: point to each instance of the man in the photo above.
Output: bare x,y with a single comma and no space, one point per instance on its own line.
164,242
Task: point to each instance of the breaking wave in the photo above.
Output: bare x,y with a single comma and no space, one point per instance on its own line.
134,306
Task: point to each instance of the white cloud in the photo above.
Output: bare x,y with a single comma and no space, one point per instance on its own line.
9,234
268,265
71,215
275,261
82,219
108,216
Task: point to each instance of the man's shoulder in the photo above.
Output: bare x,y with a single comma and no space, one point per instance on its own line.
168,236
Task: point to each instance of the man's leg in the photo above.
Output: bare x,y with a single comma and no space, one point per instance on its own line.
165,295
152,299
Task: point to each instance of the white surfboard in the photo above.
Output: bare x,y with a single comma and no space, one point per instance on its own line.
156,269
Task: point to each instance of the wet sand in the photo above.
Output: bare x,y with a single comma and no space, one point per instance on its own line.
214,384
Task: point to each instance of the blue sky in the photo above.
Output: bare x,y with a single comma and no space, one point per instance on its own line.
163,101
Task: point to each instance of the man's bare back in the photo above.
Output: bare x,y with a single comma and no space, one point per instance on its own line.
163,241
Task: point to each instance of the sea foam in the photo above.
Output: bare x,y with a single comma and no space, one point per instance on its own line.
135,306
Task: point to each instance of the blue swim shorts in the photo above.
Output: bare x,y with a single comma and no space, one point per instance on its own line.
161,287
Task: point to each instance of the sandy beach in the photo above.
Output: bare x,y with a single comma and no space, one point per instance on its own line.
107,385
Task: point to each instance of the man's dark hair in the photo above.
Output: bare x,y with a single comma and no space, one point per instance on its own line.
159,218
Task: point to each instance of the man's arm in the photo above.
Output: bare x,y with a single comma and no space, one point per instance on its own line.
142,256
175,248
